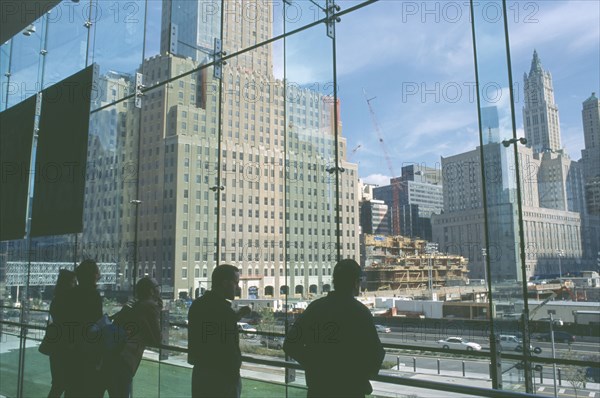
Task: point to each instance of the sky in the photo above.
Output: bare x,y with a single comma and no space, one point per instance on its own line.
414,60
421,72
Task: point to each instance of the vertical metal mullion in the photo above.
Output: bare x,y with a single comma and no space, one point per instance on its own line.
8,71
338,168
25,302
137,202
219,135
285,196
89,33
526,337
495,376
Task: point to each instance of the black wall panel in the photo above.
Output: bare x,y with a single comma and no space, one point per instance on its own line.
16,135
61,156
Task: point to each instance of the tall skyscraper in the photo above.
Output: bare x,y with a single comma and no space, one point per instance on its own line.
419,195
189,28
491,124
590,116
273,212
460,229
590,162
551,195
540,113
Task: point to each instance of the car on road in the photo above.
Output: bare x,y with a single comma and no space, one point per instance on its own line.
272,342
458,343
555,322
509,342
559,337
382,329
513,343
246,330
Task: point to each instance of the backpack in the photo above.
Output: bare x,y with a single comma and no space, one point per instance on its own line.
125,317
104,337
119,330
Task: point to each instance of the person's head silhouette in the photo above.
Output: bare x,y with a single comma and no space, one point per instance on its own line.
66,280
147,288
346,277
225,280
87,273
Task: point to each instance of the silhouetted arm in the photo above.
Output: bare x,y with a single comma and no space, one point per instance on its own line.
151,323
374,352
294,344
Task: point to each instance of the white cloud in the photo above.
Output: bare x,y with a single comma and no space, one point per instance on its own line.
568,26
379,50
439,46
376,179
310,45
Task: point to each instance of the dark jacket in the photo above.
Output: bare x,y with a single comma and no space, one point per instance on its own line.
213,339
85,356
84,309
336,342
59,311
144,330
59,307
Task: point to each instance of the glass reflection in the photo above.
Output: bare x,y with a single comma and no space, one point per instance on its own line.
187,176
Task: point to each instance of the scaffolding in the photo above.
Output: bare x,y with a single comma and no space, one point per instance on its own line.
399,262
45,273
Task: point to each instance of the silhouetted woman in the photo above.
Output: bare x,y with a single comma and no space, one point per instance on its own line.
58,362
142,323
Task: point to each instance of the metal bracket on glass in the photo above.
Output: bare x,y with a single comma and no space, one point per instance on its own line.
507,143
87,24
217,188
218,55
138,90
330,9
332,170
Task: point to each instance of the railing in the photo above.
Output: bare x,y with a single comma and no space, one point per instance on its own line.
384,376
22,330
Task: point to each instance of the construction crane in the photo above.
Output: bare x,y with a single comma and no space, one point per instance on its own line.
395,184
356,148
378,132
540,305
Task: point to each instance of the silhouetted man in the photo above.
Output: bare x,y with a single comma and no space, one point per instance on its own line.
335,340
84,309
213,339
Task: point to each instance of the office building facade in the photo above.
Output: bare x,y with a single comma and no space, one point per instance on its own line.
270,185
413,197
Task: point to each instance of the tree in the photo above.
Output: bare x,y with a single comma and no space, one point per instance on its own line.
575,375
267,318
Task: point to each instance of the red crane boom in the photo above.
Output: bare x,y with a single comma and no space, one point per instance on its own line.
378,132
395,184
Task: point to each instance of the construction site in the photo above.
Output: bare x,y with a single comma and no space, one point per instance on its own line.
401,263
